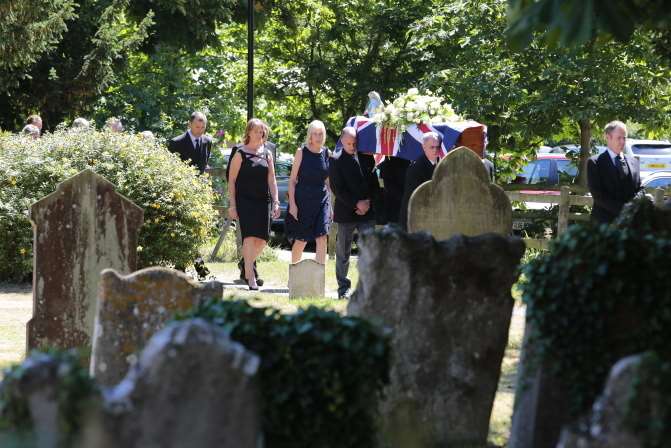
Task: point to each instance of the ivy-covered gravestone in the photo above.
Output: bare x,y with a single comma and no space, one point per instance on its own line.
600,294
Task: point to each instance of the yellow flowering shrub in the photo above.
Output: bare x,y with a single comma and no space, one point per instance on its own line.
178,213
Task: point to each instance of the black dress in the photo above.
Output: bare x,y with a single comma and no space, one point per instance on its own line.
312,198
252,196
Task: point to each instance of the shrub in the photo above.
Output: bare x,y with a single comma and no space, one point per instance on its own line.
601,293
321,374
178,214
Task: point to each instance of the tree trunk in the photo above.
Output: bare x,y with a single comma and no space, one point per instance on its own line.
585,151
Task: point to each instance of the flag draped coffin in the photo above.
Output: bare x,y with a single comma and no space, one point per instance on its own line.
373,138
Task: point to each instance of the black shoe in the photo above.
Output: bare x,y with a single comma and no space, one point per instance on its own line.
259,281
252,288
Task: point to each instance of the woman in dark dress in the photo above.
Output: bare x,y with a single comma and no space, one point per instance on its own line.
252,190
309,203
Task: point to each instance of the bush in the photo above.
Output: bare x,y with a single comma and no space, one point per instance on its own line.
601,293
321,374
178,214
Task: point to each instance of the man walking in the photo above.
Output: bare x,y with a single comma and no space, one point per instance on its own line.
350,182
420,171
193,146
613,177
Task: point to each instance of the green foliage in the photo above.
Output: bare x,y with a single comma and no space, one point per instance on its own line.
321,374
74,393
178,214
187,24
28,30
158,92
601,293
575,22
63,82
527,97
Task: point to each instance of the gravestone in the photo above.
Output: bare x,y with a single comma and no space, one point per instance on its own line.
460,199
307,278
80,229
448,305
606,426
192,386
132,308
44,382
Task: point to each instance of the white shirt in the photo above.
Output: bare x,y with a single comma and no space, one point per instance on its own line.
615,158
193,139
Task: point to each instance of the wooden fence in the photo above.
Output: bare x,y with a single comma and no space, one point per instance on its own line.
567,197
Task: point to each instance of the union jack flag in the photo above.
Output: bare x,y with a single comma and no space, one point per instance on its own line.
381,141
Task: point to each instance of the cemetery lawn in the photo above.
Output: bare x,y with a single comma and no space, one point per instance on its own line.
16,309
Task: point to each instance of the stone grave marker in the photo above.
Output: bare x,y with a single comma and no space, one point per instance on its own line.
448,305
79,230
192,386
307,278
132,308
606,426
460,199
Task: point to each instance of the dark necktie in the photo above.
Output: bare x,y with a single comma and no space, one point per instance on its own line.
197,146
621,165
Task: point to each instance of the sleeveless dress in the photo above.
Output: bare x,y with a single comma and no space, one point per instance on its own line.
312,198
252,196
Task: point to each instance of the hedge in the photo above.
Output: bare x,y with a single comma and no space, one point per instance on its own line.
178,213
321,374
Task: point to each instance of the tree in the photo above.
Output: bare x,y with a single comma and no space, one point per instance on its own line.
576,22
323,57
529,95
27,31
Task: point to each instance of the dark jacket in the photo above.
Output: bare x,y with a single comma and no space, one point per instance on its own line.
183,146
609,189
350,182
392,172
418,172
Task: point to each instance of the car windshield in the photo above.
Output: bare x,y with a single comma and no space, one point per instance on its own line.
652,149
567,171
659,182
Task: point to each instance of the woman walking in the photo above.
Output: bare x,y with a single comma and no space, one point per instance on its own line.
309,205
252,190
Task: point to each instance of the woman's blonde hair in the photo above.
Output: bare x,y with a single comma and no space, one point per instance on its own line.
251,124
313,126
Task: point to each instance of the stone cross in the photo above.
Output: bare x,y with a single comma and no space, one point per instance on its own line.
448,305
79,230
132,308
460,199
307,278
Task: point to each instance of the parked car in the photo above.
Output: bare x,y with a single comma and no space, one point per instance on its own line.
283,166
658,179
548,169
653,155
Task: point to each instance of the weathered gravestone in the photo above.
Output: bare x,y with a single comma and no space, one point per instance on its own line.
307,278
449,306
36,397
80,229
609,425
192,386
460,199
132,308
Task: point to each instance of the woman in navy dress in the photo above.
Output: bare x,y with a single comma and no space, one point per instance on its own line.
252,190
309,203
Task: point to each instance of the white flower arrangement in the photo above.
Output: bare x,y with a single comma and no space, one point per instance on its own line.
414,108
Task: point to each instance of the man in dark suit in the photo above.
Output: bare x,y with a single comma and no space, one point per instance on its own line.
350,180
193,146
613,177
419,172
